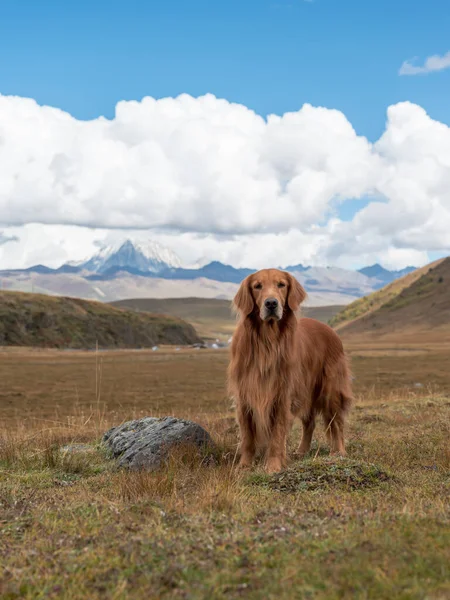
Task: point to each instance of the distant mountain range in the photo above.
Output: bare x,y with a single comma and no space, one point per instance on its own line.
378,272
135,269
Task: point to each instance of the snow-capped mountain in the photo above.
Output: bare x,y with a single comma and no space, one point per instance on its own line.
133,256
147,269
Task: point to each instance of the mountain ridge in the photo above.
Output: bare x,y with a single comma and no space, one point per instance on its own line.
107,273
379,272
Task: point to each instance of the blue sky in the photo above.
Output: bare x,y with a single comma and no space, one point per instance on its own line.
271,55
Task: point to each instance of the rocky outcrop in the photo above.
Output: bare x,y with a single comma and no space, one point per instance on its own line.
146,443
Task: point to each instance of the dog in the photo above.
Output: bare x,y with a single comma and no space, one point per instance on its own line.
282,367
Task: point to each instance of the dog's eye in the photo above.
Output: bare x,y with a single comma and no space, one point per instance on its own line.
258,286
281,284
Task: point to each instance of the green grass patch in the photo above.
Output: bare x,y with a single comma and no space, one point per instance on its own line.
323,474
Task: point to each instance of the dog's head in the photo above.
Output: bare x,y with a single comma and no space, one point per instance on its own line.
269,293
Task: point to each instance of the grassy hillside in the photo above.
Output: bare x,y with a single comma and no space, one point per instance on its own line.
374,301
212,318
55,322
422,305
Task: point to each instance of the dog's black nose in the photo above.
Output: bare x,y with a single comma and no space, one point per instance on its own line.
271,303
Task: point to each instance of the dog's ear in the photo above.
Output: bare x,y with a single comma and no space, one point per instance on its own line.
296,293
243,301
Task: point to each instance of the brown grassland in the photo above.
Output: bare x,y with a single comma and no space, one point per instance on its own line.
373,525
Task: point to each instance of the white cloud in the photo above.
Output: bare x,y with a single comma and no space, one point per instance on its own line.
202,165
231,185
431,64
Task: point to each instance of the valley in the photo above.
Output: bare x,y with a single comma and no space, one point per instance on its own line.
211,318
201,525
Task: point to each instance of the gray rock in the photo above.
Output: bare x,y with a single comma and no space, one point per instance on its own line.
145,443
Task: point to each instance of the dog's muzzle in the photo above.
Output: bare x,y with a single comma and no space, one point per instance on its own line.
271,310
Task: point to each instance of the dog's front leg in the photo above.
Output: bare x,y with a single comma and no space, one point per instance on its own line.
281,421
247,434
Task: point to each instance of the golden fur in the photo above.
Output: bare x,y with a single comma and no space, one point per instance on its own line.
282,367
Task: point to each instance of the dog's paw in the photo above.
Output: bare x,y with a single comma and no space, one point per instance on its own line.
273,465
244,463
338,453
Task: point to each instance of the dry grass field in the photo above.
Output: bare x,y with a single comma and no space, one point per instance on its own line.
373,525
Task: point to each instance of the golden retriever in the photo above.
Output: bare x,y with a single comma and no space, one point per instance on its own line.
282,367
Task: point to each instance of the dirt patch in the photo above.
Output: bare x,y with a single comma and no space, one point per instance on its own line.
326,473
